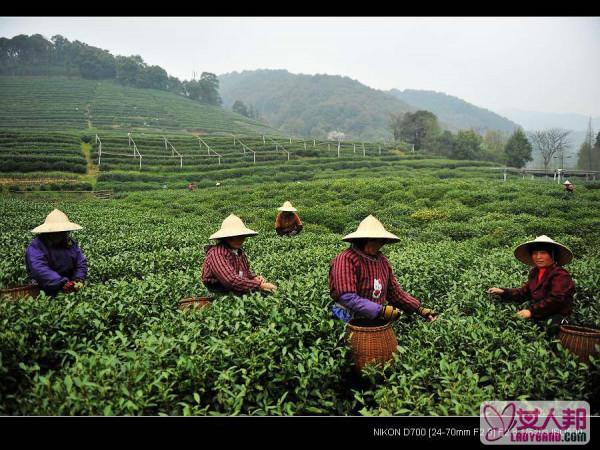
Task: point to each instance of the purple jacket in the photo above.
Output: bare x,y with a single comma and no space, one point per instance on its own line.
53,267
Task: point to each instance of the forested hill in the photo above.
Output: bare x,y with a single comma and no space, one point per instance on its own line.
313,105
454,112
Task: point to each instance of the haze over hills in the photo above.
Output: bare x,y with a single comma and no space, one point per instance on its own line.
313,105
318,104
456,113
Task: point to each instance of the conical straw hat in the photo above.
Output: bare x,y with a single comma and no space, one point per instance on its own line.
371,228
56,221
233,226
287,206
562,254
567,182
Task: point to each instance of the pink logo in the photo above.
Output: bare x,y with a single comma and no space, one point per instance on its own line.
377,287
500,424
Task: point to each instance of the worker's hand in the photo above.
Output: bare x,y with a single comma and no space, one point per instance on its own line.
78,285
268,287
495,291
68,287
524,314
427,313
389,313
259,278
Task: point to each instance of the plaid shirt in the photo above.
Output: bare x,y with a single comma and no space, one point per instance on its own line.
353,271
225,269
552,295
285,225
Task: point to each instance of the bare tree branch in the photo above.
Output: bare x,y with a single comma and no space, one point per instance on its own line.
550,142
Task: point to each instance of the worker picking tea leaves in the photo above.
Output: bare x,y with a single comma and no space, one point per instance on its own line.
549,287
226,267
362,282
288,222
54,260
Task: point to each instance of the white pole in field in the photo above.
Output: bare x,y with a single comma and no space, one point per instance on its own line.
338,149
264,142
181,162
363,144
314,143
328,147
305,145
254,153
290,140
380,150
166,148
99,152
234,139
354,148
504,174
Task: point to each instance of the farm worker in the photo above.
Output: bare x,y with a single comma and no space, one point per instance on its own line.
362,282
568,186
226,267
53,259
549,287
287,222
190,187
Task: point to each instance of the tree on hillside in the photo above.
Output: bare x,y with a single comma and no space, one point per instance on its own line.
240,108
442,144
467,145
209,89
518,149
414,128
588,158
493,145
550,143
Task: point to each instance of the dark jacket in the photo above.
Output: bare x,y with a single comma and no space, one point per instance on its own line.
52,267
552,295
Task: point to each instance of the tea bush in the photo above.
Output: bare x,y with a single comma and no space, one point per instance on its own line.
120,346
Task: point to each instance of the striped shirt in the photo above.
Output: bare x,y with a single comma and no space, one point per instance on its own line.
371,277
225,269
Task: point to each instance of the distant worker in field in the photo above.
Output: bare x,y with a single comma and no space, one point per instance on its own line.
549,287
287,222
569,186
362,282
226,267
190,187
54,260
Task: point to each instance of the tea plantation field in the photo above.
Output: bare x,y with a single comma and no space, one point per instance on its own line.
120,346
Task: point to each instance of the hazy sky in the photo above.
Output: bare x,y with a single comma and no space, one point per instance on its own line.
537,64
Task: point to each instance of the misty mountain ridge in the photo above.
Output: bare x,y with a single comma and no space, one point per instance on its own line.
313,105
317,104
536,120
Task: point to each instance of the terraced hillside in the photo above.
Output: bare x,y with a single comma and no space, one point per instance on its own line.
60,103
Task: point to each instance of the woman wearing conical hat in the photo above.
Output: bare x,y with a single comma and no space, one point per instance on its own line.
287,222
549,287
53,259
568,186
362,282
226,267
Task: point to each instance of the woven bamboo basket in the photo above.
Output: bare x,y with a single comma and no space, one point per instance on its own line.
580,340
371,342
18,292
194,302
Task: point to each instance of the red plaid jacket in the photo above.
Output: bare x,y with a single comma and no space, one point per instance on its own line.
225,269
352,271
552,295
